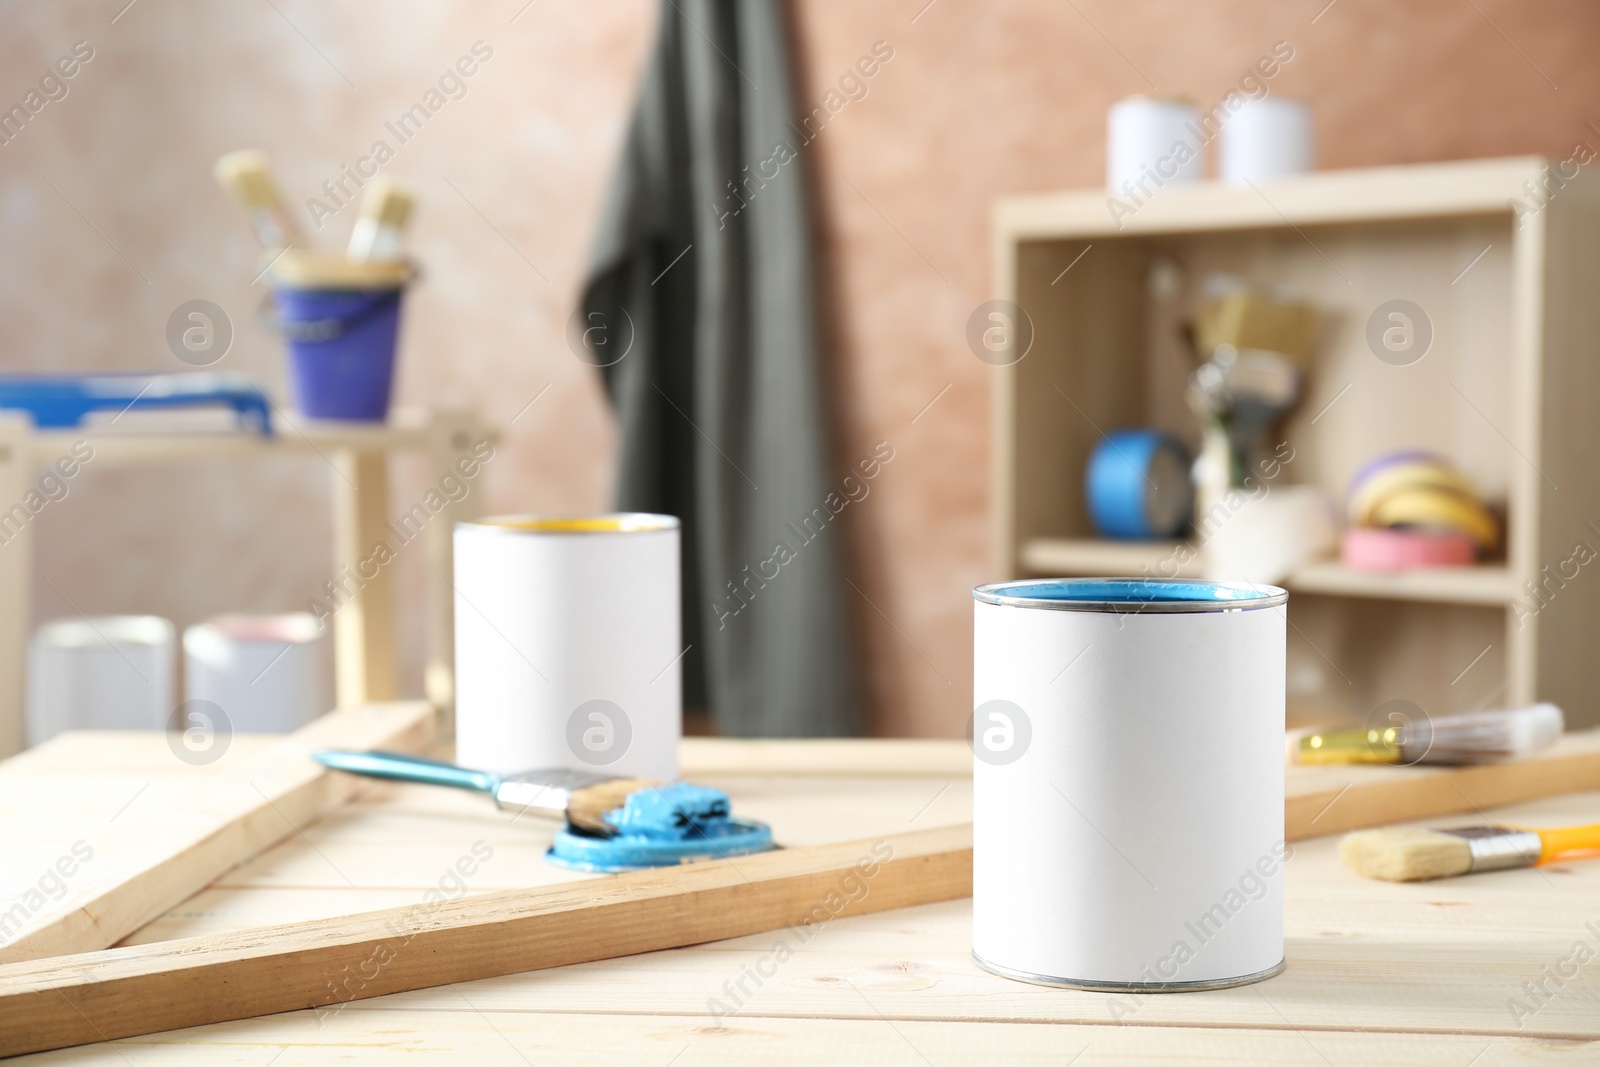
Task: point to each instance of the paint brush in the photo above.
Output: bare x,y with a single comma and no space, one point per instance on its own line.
1473,737
612,824
379,231
592,802
1407,855
246,176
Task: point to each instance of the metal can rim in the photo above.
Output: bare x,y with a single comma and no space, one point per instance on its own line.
1234,596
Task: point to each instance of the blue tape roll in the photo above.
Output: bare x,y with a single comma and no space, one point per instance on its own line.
1137,485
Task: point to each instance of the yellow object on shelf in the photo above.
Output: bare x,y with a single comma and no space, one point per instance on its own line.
1381,483
1438,509
1420,491
1247,319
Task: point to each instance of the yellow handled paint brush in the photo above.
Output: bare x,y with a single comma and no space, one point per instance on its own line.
1474,737
1409,855
380,231
245,174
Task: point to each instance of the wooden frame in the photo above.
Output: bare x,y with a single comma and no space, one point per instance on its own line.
191,833
1503,257
359,457
325,963
144,989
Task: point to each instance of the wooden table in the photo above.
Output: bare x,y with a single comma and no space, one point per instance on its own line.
1378,973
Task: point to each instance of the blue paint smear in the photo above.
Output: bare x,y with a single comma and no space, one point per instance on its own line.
1129,592
662,826
678,811
578,850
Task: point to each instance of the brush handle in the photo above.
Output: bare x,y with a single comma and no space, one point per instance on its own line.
401,768
1558,842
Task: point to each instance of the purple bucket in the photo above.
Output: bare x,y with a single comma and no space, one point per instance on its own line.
341,350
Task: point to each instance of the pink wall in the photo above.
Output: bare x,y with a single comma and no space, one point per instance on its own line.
985,99
979,100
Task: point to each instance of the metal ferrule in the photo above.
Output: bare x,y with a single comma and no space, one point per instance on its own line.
1352,746
544,792
1496,848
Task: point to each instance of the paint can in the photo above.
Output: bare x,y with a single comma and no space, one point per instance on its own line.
101,672
1267,139
265,673
1154,141
567,644
1128,783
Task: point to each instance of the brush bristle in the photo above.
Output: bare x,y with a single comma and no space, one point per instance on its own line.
387,203
1486,736
245,174
1404,855
589,806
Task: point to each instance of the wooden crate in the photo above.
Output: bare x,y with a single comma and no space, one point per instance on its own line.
1500,256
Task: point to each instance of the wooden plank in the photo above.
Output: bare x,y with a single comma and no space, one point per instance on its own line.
407,429
147,988
187,833
456,438
363,625
16,572
1556,428
1438,190
463,1033
1486,584
1332,800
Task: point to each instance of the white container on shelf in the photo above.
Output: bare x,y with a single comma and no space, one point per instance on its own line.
268,673
1128,783
568,646
1267,139
1154,139
103,672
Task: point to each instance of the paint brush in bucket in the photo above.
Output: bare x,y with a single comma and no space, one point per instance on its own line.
613,824
245,174
379,233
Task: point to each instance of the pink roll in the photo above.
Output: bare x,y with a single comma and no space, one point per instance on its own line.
1370,548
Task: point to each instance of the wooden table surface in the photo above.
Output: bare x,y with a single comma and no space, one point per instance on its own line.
1377,973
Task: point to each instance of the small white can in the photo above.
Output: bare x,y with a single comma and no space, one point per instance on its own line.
567,644
1128,783
101,672
264,673
1266,139
1152,142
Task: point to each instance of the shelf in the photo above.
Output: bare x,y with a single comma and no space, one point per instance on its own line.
1082,557
148,442
1487,585
1438,190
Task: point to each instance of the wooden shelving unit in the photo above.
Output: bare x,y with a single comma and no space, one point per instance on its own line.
358,456
1489,584
1508,390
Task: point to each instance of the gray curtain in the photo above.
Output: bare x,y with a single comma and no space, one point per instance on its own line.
700,308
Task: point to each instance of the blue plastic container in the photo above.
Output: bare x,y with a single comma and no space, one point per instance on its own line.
341,349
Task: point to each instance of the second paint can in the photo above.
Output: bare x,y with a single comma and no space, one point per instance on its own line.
567,644
1128,783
